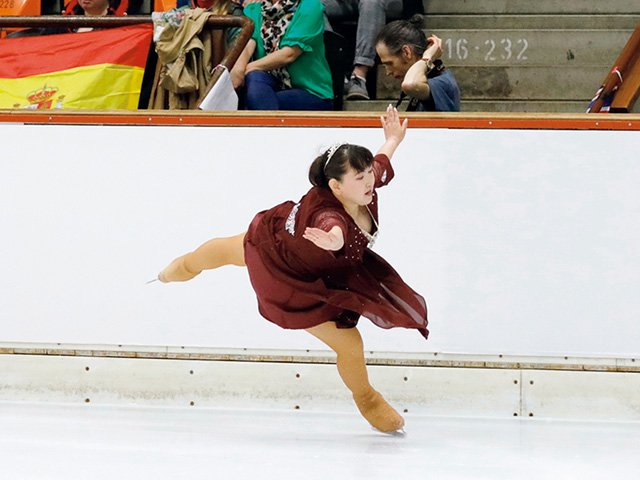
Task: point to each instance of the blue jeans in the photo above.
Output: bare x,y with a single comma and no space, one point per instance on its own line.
263,93
371,15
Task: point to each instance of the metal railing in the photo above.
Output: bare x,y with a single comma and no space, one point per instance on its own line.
622,83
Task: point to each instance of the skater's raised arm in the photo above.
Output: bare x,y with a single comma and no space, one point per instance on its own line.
394,131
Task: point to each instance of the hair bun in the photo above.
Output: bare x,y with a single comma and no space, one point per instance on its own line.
417,21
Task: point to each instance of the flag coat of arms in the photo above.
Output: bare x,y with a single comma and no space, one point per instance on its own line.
97,70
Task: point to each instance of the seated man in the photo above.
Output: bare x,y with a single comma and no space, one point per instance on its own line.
371,15
408,56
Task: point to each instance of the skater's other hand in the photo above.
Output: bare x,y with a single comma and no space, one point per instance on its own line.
332,240
394,131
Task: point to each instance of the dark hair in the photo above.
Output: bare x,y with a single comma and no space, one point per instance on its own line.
347,155
398,33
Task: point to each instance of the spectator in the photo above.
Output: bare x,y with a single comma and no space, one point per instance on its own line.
371,15
97,8
223,7
289,70
407,55
93,8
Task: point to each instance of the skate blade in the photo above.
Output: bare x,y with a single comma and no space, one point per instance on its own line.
394,433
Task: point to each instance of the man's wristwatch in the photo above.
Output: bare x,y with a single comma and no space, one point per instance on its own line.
428,63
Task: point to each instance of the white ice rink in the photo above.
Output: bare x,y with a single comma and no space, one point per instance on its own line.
55,441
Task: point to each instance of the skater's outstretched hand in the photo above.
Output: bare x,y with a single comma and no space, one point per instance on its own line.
332,240
394,131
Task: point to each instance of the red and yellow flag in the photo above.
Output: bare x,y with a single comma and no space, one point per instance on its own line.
98,70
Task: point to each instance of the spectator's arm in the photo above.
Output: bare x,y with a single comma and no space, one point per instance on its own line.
415,82
239,69
280,58
306,28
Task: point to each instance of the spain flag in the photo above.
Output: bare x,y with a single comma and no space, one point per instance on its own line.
98,70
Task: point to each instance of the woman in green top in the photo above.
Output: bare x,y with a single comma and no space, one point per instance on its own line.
283,67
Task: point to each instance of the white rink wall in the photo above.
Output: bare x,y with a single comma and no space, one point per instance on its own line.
523,242
240,385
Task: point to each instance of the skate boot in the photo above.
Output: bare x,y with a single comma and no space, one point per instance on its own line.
176,271
375,409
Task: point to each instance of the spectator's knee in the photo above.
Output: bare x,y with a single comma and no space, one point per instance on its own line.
379,5
255,77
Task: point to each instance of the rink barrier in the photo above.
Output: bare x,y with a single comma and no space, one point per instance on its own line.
115,199
284,384
401,359
567,387
470,120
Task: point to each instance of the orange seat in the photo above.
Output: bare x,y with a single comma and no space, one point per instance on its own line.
164,5
18,8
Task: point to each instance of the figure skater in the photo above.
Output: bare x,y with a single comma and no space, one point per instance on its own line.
312,267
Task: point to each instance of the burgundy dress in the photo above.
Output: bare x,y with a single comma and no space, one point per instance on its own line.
300,285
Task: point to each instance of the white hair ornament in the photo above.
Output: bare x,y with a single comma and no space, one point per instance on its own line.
332,149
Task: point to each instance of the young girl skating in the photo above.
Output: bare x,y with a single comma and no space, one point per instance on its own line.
312,267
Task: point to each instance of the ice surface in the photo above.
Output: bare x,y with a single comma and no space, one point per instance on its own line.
53,441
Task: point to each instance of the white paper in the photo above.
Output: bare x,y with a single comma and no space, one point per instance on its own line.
222,96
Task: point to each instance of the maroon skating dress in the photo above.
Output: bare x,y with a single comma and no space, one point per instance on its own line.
300,285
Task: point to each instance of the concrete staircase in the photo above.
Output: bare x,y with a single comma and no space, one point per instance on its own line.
522,56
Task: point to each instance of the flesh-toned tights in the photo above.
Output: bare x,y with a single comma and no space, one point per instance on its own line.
346,342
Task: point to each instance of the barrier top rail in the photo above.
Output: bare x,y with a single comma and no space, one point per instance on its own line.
489,120
77,21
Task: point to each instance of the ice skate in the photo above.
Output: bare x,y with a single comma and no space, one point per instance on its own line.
394,433
375,409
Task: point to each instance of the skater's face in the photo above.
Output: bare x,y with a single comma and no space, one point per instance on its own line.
355,187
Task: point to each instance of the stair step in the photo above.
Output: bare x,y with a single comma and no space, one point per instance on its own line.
472,7
522,56
531,47
484,106
516,82
528,22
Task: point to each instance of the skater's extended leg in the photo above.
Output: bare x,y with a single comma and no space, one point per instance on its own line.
347,343
212,254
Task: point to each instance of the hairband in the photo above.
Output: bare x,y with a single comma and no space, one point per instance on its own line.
332,149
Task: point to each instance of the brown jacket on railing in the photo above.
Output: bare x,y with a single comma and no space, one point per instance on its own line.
186,56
